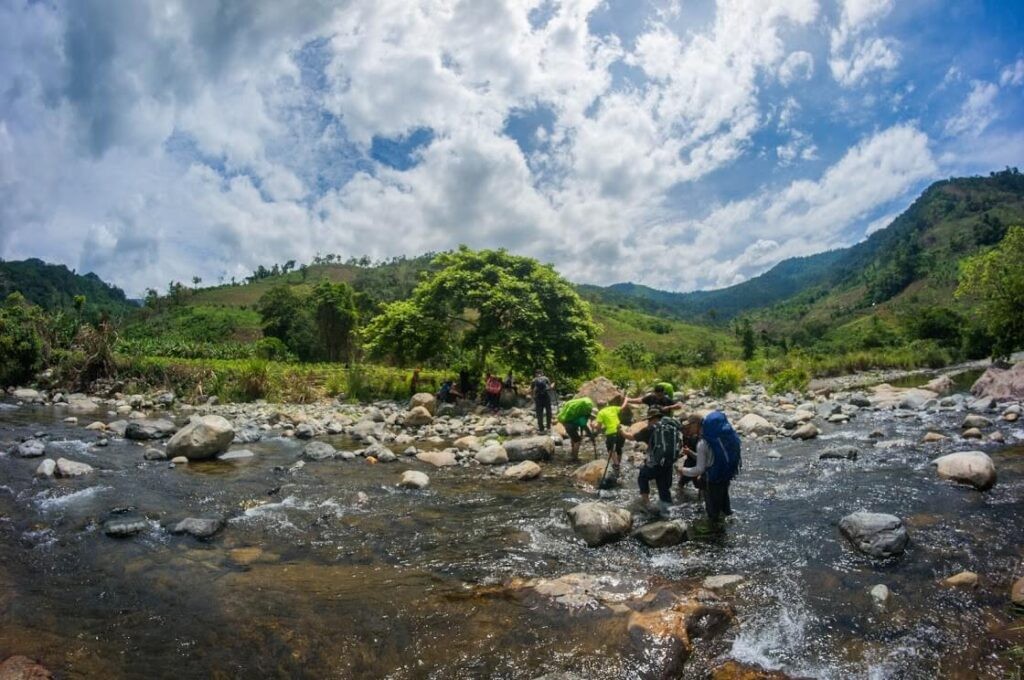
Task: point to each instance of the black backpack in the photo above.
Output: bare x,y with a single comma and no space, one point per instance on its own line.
665,442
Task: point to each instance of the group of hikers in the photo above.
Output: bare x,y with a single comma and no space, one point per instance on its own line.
450,392
708,444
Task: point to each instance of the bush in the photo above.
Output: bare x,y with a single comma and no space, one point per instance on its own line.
21,345
720,379
790,380
273,349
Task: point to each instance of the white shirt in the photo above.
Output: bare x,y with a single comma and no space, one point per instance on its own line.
704,458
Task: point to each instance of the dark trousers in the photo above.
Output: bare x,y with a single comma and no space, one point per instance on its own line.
543,408
614,443
716,501
662,476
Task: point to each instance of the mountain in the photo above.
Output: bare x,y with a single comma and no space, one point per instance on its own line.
54,286
912,262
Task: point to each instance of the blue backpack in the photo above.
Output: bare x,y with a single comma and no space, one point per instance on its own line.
725,444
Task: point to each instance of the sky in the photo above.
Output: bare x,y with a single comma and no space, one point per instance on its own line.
683,144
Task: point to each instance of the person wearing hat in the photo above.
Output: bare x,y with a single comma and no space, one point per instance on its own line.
659,397
663,436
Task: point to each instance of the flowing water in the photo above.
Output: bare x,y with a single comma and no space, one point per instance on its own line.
331,571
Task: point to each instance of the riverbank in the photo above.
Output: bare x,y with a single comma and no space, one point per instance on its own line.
322,558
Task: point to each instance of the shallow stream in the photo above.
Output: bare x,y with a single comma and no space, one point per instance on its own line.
331,571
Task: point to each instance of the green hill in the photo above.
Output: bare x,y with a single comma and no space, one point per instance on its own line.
54,287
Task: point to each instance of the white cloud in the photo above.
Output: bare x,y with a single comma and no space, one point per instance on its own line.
977,111
853,56
796,67
1012,74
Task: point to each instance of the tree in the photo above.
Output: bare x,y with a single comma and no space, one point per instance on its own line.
635,354
196,281
492,305
21,344
334,310
995,281
747,339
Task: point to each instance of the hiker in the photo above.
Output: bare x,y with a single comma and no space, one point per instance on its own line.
414,383
610,420
718,461
510,382
576,416
660,396
492,395
540,390
664,438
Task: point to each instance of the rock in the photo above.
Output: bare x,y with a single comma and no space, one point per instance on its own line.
198,527
1017,592
468,443
839,453
973,433
1001,383
508,398
940,385
365,428
860,400
494,454
46,468
965,579
875,534
120,427
146,429
975,421
590,474
880,594
164,398
753,424
997,437
79,403
237,454
600,523
70,468
154,454
722,581
385,455
917,400
663,636
123,527
981,404
179,460
933,437
26,394
319,451
600,390
1011,416
968,467
248,434
735,670
425,400
886,397
23,668
522,471
204,437
773,455
805,432
418,416
304,431
30,448
662,534
437,458
413,479
96,426
71,420
839,418
530,448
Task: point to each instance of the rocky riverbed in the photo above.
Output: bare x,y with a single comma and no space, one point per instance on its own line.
876,534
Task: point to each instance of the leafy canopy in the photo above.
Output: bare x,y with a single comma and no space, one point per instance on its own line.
494,306
995,280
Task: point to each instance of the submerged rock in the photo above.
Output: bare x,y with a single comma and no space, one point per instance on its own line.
600,523
735,670
875,534
154,454
237,454
880,594
146,429
839,453
523,471
968,467
23,668
414,479
317,451
198,527
662,534
204,437
1017,592
965,579
530,448
722,581
123,527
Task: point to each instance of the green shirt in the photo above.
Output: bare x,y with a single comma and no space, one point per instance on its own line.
576,410
609,419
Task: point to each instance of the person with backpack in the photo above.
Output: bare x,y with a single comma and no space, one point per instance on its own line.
540,390
718,461
660,396
492,387
664,438
576,416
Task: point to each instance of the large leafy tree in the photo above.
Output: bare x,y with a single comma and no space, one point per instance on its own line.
334,309
21,344
491,305
995,281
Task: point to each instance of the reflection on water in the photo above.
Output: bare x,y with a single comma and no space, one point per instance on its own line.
331,571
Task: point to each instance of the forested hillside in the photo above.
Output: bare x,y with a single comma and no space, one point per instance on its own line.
55,287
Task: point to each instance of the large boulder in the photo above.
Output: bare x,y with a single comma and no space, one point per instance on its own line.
875,534
1001,383
590,474
204,437
967,467
437,458
522,471
600,523
664,637
662,534
70,468
600,390
23,668
418,416
145,429
530,448
424,399
28,394
753,424
493,454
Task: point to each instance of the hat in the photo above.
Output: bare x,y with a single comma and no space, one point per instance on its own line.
654,412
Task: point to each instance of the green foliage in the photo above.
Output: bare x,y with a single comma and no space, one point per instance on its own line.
333,308
747,340
21,343
635,355
54,287
496,306
941,324
273,349
720,379
287,317
994,281
793,379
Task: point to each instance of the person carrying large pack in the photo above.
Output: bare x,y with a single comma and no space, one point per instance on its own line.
541,388
575,415
664,438
718,460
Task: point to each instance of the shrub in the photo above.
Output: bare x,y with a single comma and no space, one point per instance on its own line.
790,380
21,345
720,379
273,349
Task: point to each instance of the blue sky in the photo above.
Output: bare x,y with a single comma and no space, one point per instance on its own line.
682,144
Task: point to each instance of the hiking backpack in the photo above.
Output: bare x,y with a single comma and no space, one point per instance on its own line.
725,446
665,442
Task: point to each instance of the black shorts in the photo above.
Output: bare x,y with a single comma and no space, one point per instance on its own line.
574,431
